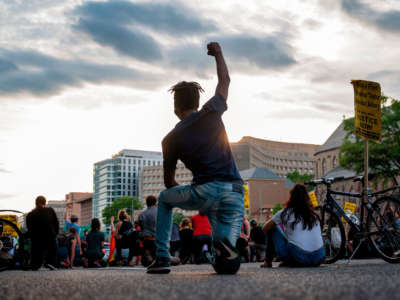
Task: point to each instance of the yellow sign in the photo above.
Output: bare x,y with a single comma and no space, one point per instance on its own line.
7,229
349,206
313,199
246,195
367,108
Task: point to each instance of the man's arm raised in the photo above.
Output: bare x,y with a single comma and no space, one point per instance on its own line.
214,49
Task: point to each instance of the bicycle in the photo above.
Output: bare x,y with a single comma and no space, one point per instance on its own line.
381,228
13,245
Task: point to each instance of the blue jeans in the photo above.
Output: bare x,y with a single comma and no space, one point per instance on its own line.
222,202
277,244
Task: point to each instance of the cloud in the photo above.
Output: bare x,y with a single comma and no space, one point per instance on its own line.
244,54
167,18
384,20
129,28
120,25
267,52
132,43
34,73
390,81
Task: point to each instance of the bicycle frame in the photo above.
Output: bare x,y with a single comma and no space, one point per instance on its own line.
335,206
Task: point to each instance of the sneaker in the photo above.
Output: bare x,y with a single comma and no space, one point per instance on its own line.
159,266
226,257
174,261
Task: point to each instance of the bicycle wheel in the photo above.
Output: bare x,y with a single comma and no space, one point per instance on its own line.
383,225
333,235
12,246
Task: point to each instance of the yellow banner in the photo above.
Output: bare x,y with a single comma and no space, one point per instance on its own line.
7,229
367,108
246,195
313,199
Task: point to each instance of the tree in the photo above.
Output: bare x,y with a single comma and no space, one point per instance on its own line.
276,208
296,177
177,217
384,157
118,204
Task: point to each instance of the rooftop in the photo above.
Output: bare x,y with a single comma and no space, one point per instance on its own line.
334,141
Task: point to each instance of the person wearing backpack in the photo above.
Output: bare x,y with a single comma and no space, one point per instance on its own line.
64,248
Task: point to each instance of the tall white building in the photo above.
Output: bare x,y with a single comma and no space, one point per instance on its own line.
120,176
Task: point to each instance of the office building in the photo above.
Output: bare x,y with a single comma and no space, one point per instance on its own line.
279,157
120,176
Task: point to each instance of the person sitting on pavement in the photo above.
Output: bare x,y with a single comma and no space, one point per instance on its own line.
301,244
95,244
186,237
126,237
64,248
257,242
201,236
200,141
147,221
43,226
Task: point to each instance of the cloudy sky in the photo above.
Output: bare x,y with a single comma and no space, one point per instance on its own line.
81,80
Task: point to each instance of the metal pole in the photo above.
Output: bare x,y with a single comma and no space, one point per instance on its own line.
259,199
365,171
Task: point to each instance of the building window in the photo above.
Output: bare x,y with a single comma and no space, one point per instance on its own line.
334,162
323,167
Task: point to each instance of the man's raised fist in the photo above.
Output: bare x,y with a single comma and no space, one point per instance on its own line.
213,48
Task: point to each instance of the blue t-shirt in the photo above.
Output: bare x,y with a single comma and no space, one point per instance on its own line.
68,225
201,143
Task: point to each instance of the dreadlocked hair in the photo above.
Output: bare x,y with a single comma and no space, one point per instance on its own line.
186,95
299,205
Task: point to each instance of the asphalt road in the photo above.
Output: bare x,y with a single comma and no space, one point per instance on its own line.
361,279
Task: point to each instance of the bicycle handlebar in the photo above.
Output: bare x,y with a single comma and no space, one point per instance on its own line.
11,210
324,180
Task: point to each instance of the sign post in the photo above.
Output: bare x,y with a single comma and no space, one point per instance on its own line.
367,118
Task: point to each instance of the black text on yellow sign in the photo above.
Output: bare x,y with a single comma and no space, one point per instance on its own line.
367,108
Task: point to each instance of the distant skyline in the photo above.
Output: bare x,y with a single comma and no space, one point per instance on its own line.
82,80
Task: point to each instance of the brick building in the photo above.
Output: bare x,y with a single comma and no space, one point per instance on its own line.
266,189
79,204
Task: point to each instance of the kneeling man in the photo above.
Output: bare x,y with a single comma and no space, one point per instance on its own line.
200,141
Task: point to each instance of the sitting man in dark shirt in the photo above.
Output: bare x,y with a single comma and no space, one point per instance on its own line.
42,224
200,141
